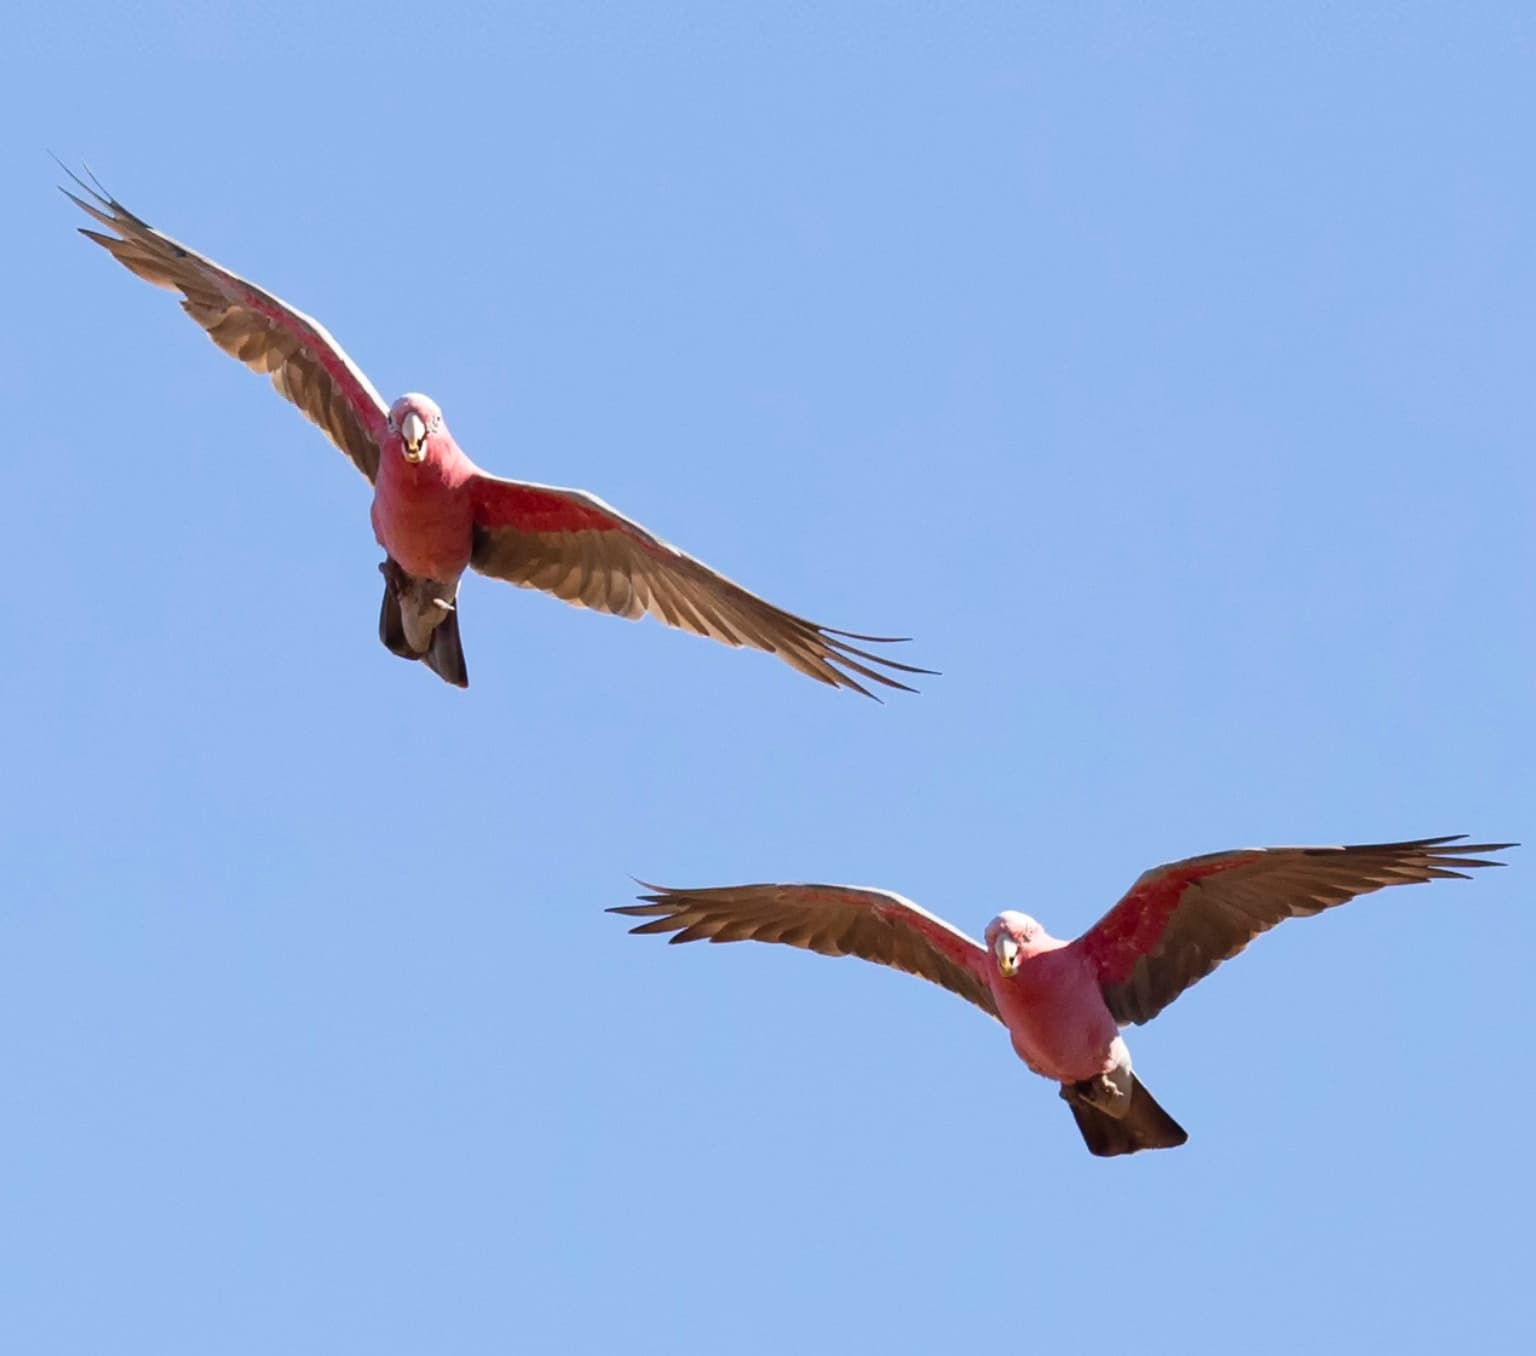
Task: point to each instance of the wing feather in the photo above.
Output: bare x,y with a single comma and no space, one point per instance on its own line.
833,920
1178,922
307,366
574,546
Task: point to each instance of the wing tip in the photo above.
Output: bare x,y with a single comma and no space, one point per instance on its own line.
1445,844
656,906
870,640
1455,849
95,188
648,907
843,668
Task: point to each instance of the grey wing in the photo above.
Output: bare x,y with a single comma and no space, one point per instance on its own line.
307,366
833,920
1182,920
575,546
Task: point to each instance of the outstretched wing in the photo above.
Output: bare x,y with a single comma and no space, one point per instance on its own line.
835,920
307,366
576,547
1180,921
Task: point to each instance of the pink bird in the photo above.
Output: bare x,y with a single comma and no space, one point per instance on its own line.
436,513
1065,1002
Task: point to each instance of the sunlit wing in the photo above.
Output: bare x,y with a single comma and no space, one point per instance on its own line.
834,920
576,547
306,365
1178,922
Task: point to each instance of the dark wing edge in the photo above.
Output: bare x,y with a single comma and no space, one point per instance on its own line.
307,366
1180,921
832,920
573,545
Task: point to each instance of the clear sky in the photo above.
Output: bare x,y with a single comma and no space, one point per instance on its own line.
1167,375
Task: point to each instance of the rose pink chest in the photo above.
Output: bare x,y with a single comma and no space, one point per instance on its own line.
1056,1015
423,522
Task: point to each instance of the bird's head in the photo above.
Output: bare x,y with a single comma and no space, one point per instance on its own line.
1012,937
416,420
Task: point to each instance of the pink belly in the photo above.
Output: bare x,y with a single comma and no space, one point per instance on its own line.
1057,1018
430,534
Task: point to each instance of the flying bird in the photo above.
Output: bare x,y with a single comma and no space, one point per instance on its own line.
436,513
1065,1002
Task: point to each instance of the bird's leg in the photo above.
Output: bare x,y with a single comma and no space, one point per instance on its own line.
1099,1092
1091,1090
394,576
425,604
400,585
1110,1091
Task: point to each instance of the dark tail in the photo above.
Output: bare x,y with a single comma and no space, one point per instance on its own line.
1145,1125
445,655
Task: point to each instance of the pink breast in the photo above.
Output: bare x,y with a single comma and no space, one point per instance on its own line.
1057,1017
424,524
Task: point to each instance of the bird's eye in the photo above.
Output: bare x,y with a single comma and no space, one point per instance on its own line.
391,423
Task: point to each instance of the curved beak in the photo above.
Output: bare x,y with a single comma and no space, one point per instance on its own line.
1007,952
413,430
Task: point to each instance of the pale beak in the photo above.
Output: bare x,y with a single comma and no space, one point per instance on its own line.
413,430
1007,956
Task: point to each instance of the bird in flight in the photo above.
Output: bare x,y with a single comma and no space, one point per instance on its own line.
1065,1002
436,513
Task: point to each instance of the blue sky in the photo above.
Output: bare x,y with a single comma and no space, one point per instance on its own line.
1166,374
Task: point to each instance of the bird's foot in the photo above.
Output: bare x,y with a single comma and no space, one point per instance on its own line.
1099,1091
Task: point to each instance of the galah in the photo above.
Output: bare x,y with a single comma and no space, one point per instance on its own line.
1065,1002
436,513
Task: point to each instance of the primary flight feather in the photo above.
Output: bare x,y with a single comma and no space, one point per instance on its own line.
436,513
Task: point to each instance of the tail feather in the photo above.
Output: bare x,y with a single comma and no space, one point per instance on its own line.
1145,1124
445,656
392,625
